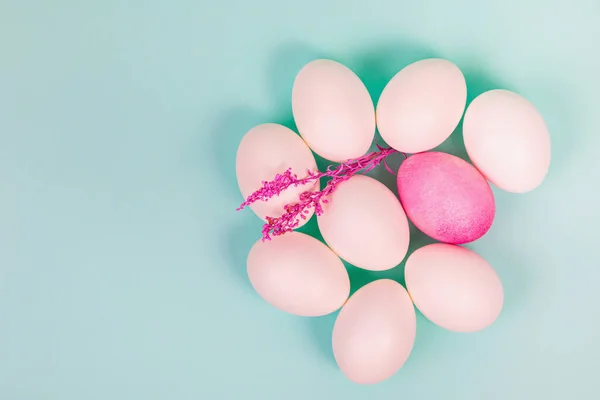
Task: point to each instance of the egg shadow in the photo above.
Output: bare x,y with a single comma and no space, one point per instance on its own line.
320,332
558,109
378,64
237,242
509,262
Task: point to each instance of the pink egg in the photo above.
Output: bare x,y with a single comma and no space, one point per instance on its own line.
333,110
298,274
364,223
421,106
446,197
374,332
454,287
507,140
265,151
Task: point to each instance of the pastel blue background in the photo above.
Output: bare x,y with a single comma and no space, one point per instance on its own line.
122,259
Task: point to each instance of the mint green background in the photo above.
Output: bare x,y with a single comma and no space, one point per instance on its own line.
122,259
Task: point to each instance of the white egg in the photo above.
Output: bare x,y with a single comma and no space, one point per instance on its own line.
374,332
298,274
421,105
265,151
507,140
364,223
333,110
454,287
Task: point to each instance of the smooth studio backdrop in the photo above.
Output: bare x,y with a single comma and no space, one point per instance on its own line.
122,259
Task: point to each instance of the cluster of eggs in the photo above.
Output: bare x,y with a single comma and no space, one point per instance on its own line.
367,225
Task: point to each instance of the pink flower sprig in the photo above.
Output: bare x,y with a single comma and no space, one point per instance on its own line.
294,213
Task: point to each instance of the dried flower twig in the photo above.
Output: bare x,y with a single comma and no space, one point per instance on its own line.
311,199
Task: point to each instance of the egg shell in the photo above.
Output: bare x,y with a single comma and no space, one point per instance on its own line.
333,110
364,223
446,197
298,274
374,332
454,287
507,140
265,151
421,105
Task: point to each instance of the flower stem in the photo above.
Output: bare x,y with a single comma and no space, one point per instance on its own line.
294,213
